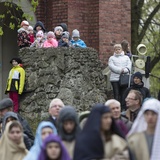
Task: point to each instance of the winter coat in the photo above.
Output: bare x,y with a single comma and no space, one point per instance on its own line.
50,43
61,43
16,80
23,39
116,63
37,43
79,43
31,37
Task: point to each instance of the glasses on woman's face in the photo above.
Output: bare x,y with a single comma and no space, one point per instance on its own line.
128,98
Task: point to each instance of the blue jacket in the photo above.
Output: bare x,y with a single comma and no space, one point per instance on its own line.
79,43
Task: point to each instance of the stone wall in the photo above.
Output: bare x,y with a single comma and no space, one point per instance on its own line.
74,75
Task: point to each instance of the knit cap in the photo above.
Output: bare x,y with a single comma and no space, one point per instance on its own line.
24,23
75,33
58,28
65,35
138,75
50,34
30,28
5,103
40,33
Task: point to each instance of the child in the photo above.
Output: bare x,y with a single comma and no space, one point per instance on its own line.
15,82
53,149
76,41
64,42
23,39
38,43
39,26
50,42
58,32
31,34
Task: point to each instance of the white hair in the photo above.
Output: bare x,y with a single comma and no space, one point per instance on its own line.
56,100
112,101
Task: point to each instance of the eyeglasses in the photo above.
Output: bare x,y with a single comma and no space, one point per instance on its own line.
128,98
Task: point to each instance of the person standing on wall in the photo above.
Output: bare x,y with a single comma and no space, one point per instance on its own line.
119,64
15,82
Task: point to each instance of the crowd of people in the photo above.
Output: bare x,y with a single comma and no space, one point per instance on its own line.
124,128
104,132
38,37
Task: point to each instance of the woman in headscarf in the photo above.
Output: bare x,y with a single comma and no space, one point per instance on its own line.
68,127
143,137
100,137
44,129
53,149
11,116
11,143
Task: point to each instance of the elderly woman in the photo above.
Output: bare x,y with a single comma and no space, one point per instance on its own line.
119,64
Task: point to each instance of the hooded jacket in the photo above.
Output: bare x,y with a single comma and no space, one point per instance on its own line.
68,113
39,23
16,80
116,63
35,150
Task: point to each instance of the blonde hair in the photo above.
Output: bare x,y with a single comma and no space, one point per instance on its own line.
56,100
117,46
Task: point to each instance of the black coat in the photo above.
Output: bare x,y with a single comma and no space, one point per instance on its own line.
53,121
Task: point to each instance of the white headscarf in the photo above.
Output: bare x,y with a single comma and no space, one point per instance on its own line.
140,125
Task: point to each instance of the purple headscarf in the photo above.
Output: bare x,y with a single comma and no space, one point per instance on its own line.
49,139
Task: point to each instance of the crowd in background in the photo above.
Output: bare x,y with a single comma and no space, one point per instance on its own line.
38,37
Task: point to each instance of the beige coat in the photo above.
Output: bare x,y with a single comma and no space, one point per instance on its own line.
138,145
116,147
70,147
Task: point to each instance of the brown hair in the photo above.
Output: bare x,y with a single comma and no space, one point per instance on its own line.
15,124
124,45
138,95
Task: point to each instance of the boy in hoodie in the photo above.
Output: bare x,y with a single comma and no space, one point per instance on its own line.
68,128
76,41
64,42
23,39
15,82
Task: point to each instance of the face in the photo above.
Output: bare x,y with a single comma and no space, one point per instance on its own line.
55,109
30,31
65,39
137,80
14,63
38,28
75,38
50,38
58,32
151,118
15,135
106,121
53,150
115,110
46,132
69,126
4,111
25,27
118,50
131,101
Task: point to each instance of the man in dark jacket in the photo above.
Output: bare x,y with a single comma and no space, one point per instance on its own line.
137,85
54,108
133,105
6,105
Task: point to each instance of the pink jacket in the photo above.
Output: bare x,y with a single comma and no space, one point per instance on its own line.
50,43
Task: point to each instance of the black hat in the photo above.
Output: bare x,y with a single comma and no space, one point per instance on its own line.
18,60
138,75
6,103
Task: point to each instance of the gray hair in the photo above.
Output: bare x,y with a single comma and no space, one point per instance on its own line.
56,100
111,101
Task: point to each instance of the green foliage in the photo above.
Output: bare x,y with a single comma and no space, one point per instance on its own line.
11,11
